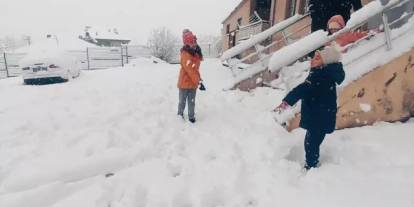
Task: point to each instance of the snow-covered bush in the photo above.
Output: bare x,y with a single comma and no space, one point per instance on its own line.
162,43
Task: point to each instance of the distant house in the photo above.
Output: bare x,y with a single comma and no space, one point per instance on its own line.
251,17
104,37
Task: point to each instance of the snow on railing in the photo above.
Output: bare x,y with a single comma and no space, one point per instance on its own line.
256,39
250,30
301,48
287,54
297,50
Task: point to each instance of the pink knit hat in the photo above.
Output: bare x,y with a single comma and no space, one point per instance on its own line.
188,37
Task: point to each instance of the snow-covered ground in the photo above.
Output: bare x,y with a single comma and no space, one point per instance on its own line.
112,138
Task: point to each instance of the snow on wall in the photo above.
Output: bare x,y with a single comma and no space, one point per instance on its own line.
256,39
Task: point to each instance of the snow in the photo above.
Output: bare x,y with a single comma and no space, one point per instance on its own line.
371,54
360,59
317,39
300,48
365,107
59,143
105,34
70,43
258,38
49,52
367,11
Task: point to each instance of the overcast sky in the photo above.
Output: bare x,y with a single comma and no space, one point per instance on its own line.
133,18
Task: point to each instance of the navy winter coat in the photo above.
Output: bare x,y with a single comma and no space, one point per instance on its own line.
318,95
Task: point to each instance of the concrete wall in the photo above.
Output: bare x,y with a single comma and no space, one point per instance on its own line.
389,90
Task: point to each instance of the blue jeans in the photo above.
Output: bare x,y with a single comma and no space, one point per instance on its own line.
187,95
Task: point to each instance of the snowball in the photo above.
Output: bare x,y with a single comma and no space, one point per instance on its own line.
365,107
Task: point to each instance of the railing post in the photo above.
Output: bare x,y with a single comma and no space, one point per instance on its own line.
5,64
259,51
284,38
387,31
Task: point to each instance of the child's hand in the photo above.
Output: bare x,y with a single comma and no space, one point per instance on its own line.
283,106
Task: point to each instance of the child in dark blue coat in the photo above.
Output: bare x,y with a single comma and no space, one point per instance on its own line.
318,95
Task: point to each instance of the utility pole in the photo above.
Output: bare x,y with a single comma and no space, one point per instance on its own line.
28,39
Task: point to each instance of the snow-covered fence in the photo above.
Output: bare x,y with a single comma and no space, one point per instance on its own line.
9,64
108,57
135,51
3,69
104,57
81,56
90,58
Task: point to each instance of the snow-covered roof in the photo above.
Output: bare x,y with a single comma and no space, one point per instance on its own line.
105,34
63,42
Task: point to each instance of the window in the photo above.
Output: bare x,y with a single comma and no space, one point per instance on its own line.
290,8
239,22
228,29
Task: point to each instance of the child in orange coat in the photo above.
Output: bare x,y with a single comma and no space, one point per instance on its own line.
189,77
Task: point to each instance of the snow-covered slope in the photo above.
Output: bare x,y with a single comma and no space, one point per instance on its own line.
112,138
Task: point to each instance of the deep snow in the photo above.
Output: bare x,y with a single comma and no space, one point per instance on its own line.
59,143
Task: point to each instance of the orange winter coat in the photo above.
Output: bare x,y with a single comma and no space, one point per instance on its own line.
189,77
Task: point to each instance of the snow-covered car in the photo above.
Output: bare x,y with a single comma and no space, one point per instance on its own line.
47,60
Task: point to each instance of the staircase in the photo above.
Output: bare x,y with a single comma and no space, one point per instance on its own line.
379,69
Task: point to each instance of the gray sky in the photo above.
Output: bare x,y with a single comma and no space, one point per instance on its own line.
133,18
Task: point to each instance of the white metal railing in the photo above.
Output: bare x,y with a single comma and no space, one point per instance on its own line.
358,19
256,25
245,32
257,39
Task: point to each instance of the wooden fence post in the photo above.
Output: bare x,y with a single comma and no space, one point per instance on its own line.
5,64
87,57
122,56
126,52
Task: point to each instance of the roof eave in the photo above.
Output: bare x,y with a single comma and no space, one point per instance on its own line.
234,10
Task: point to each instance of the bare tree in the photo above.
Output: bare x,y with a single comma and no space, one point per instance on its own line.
211,45
163,44
10,43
